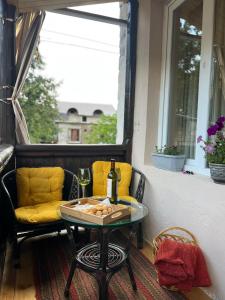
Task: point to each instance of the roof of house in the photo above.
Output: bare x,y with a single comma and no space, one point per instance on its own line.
86,109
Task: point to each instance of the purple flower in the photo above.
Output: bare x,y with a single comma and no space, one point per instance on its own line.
221,119
199,139
213,130
220,125
209,149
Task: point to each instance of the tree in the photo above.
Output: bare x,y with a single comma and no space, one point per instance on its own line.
104,132
39,105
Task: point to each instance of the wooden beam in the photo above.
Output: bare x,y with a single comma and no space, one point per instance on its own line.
34,5
89,16
7,71
130,74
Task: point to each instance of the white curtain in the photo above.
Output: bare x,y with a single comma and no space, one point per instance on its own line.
27,34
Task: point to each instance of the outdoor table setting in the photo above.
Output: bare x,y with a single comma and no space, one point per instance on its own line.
102,258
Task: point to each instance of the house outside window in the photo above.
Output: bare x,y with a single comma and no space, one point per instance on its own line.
193,87
81,117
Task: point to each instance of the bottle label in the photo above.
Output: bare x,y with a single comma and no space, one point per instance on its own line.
109,188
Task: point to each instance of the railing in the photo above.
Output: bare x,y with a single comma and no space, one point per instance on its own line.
70,157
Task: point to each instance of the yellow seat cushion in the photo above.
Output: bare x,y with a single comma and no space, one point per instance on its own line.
39,213
39,185
101,170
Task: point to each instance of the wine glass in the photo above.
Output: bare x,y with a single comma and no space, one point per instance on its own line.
84,178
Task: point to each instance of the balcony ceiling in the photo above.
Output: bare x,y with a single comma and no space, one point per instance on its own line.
34,5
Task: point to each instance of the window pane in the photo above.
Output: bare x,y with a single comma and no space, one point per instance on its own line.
78,79
217,107
185,64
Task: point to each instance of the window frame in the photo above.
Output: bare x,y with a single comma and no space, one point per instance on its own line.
131,56
199,163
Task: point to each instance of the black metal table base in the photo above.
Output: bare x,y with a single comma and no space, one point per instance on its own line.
102,260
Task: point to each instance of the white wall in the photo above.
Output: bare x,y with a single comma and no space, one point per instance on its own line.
174,199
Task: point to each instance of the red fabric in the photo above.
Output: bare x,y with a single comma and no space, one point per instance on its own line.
181,265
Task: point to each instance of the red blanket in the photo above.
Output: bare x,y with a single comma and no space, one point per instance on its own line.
181,265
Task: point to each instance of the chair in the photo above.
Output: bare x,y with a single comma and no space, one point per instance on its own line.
24,229
131,187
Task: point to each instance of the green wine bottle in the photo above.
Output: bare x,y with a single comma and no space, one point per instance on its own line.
112,183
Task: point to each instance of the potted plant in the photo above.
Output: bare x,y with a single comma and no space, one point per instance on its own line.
168,158
214,149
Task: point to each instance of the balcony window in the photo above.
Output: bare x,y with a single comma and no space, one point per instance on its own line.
187,79
84,58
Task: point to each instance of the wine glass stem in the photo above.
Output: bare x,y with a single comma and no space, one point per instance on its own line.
83,191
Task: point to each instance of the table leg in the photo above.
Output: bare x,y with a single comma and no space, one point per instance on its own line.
132,234
131,274
70,277
102,273
103,286
70,234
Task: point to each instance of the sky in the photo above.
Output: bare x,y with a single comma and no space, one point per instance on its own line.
83,55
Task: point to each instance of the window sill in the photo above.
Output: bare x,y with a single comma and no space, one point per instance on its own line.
196,170
202,175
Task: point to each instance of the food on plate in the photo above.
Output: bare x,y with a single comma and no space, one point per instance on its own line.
99,213
99,210
109,209
105,212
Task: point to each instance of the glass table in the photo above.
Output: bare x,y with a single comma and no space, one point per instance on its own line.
103,259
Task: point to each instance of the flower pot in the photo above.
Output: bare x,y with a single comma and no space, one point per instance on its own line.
168,162
217,172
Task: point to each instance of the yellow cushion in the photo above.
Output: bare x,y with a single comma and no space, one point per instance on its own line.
125,198
101,170
39,185
128,199
39,213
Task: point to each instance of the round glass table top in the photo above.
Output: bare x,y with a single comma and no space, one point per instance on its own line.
137,212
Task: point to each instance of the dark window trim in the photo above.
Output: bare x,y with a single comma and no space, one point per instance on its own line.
89,16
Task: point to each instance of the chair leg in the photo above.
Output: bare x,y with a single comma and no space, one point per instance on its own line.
140,236
16,251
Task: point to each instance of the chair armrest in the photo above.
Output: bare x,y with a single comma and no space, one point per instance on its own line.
139,192
7,182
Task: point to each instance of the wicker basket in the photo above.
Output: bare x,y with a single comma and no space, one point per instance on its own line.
182,235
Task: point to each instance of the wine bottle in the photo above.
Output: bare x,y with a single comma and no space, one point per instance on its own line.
112,183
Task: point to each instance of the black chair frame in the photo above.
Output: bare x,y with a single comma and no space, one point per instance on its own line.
137,188
19,232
